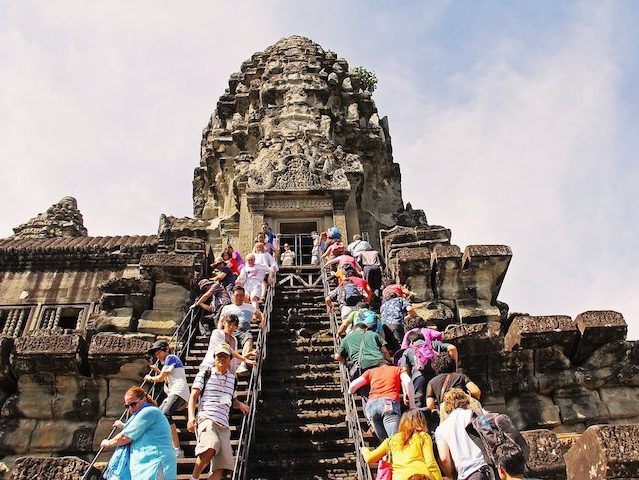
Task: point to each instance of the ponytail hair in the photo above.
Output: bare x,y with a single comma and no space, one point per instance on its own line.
139,392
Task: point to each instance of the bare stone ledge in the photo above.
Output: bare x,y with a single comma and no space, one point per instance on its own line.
543,331
598,328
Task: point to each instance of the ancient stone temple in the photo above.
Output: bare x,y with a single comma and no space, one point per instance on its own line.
295,141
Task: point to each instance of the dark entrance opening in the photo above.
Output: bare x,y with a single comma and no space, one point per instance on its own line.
298,237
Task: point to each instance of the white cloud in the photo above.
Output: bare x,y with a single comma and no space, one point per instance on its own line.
527,158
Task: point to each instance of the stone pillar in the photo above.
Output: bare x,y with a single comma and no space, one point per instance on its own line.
339,213
252,223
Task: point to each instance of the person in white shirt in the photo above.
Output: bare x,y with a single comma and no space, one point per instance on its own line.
251,277
455,448
358,245
264,258
245,312
225,333
175,386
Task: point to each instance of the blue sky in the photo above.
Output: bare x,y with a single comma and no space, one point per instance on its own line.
514,122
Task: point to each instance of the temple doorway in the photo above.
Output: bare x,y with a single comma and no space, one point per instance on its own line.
297,233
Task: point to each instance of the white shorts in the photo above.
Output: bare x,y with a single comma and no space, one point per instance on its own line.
253,288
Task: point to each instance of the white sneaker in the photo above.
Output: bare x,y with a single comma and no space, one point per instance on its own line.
179,453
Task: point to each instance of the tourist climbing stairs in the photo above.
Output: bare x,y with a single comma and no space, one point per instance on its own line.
301,431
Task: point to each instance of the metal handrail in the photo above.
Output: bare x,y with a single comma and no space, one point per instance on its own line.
247,431
352,419
182,336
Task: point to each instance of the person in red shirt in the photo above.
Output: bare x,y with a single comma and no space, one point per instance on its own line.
363,285
383,405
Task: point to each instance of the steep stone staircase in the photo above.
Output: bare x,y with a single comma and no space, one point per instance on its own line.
301,430
187,439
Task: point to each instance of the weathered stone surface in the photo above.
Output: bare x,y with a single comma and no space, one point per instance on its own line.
57,436
49,353
172,268
540,332
484,269
550,359
473,339
435,313
512,372
605,452
110,353
530,410
580,405
15,435
613,364
100,322
117,389
553,370
411,266
126,286
34,398
169,296
104,427
7,380
546,458
57,468
62,219
79,398
622,402
159,322
598,328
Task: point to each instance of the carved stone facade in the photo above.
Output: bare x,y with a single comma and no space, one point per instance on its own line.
295,121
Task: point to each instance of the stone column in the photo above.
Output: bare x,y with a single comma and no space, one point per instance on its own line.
252,222
339,214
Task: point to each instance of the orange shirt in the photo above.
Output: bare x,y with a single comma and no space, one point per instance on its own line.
384,381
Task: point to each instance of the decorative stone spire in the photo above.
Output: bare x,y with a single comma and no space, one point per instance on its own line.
62,219
297,121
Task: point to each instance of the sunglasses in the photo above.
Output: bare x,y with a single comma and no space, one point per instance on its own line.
132,404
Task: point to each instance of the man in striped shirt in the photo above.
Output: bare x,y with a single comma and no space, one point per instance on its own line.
215,389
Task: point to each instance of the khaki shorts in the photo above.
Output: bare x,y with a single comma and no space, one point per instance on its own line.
210,435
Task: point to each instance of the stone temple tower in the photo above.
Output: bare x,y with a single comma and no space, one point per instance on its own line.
297,142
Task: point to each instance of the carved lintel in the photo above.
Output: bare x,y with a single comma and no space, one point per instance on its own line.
256,202
299,204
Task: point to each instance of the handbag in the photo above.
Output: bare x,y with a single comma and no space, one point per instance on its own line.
384,470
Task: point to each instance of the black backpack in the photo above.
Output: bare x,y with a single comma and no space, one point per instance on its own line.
489,430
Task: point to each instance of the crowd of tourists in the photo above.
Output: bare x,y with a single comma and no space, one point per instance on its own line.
426,415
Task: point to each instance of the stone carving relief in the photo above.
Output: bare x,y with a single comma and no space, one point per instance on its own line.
298,204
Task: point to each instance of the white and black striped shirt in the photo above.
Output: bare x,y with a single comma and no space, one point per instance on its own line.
216,399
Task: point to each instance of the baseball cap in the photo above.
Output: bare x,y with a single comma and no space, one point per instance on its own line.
223,348
158,345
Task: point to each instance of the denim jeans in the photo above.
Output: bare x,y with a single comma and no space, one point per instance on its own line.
384,414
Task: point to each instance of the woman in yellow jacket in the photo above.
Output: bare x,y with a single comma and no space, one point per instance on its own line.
409,451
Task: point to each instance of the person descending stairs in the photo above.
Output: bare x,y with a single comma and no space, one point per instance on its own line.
301,430
187,439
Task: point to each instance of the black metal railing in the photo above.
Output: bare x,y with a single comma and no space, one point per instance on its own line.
247,430
352,419
181,341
